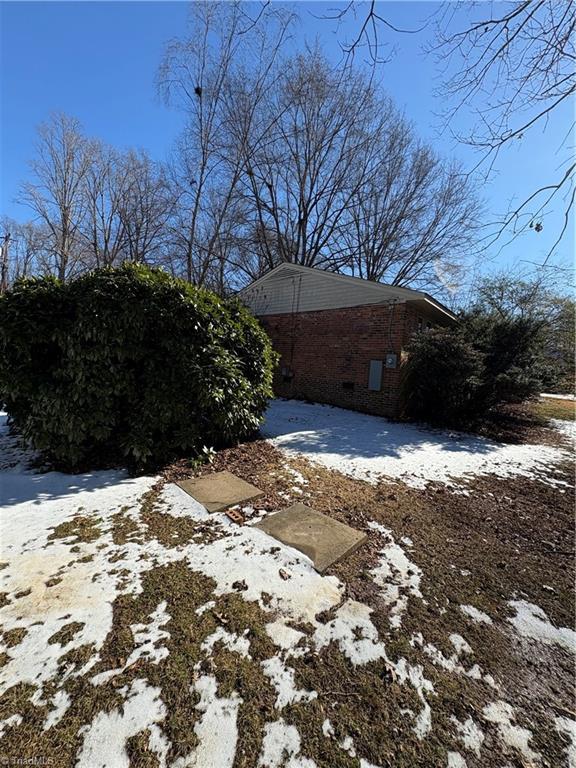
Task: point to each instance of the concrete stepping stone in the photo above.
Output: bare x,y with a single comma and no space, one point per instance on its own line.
322,538
220,490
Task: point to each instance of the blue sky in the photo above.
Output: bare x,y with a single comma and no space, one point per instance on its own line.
98,60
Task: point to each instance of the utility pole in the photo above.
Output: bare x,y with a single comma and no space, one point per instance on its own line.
4,264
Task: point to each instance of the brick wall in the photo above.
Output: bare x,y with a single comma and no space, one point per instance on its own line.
328,353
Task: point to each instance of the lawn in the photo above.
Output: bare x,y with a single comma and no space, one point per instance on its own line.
139,630
552,408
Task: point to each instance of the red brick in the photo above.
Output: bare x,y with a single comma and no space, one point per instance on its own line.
325,349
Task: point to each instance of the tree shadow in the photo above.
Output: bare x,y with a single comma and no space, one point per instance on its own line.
313,428
19,487
21,482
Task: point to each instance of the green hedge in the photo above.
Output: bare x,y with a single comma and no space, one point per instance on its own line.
441,377
130,365
454,376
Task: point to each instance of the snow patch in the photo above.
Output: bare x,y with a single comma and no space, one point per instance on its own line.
347,744
502,715
531,621
9,722
369,447
455,760
397,576
453,663
460,645
415,674
281,747
148,637
470,734
478,616
284,636
298,477
230,640
353,631
105,738
217,731
566,428
567,727
328,729
158,744
557,397
60,703
282,679
206,607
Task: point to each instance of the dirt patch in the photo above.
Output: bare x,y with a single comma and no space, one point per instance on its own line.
156,522
515,536
138,751
501,539
508,538
124,528
525,423
173,531
253,461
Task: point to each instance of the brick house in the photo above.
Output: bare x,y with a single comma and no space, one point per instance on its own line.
341,339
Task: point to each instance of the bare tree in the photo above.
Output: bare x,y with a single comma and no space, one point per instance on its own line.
367,23
145,206
415,219
26,249
56,194
198,76
514,69
106,189
5,240
339,180
301,179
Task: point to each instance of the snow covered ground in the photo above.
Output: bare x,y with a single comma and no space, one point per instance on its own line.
52,582
566,428
370,447
65,568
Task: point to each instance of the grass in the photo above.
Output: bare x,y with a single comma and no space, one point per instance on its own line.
82,527
67,633
549,408
511,535
14,636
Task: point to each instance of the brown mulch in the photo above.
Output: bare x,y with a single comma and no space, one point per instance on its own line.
253,461
504,539
521,423
515,534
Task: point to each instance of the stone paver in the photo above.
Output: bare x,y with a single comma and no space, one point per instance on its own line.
220,490
322,538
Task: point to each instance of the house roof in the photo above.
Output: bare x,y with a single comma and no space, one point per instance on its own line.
290,288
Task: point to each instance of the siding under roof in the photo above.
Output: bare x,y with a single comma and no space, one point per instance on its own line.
292,288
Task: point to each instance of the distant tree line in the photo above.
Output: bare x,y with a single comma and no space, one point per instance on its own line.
282,158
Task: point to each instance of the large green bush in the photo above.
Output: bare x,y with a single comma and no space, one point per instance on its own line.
130,365
441,377
454,376
511,348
